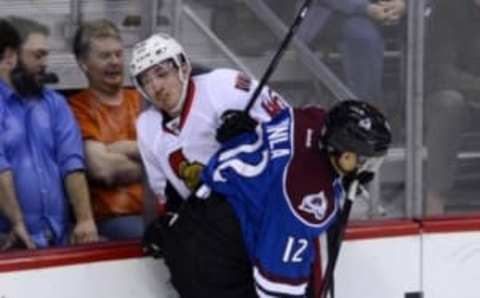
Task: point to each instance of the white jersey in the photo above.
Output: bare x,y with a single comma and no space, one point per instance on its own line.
164,144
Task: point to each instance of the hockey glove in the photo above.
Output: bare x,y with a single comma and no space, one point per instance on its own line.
190,173
155,234
368,169
365,174
234,123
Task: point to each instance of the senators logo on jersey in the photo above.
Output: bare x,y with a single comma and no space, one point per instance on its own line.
243,82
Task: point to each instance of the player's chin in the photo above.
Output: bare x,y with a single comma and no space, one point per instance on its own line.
160,104
168,109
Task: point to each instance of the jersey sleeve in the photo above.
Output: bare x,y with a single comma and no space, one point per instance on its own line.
68,139
145,138
235,90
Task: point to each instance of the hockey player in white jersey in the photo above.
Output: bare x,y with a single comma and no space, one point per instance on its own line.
177,132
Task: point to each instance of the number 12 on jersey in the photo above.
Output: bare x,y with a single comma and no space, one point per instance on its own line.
294,250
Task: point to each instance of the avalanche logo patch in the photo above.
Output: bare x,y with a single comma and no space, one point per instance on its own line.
315,204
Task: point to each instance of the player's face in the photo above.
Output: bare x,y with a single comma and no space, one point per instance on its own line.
163,85
346,163
104,64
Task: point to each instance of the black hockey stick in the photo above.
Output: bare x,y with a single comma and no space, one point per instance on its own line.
338,239
280,51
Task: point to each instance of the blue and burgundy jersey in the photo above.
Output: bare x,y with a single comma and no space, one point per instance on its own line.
285,194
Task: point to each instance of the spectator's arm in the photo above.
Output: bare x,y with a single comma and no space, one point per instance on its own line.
394,10
10,208
85,230
108,167
128,148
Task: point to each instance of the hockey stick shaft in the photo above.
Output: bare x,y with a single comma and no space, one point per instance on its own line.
279,53
340,233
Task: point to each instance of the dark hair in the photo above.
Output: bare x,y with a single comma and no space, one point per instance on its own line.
92,30
25,27
9,37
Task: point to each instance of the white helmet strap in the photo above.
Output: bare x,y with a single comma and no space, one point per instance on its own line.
184,80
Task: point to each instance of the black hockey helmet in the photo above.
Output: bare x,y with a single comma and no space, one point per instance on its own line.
358,127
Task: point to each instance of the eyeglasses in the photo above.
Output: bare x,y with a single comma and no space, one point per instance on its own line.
157,71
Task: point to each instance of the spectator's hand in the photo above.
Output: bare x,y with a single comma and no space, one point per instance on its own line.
394,10
84,232
235,122
18,233
190,173
125,147
377,12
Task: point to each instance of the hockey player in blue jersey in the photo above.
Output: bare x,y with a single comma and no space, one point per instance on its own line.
258,226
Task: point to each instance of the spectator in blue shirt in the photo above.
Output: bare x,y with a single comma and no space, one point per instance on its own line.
9,43
42,150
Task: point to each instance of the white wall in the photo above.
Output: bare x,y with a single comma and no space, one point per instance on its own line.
451,263
132,278
379,268
442,265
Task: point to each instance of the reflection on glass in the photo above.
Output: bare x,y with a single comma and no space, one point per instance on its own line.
452,107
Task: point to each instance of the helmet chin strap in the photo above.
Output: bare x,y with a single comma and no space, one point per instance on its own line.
183,94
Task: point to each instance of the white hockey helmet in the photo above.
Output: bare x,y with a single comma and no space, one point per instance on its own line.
156,49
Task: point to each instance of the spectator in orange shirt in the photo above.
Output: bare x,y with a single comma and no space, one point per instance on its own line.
107,113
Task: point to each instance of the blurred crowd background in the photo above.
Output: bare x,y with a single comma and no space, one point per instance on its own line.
418,61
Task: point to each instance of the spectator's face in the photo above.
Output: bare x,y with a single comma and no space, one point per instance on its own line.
162,83
104,64
34,55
